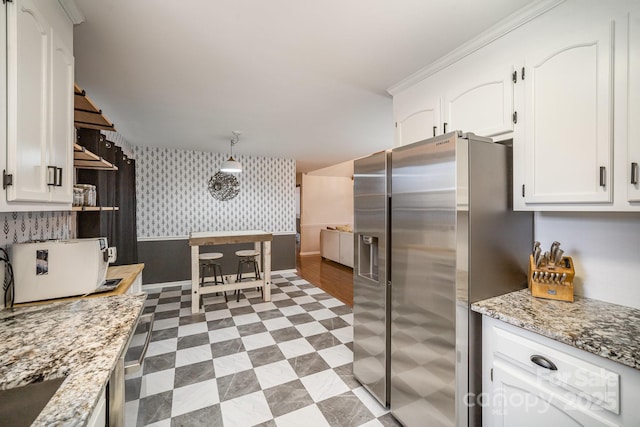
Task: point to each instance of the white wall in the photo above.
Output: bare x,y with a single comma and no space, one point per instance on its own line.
326,201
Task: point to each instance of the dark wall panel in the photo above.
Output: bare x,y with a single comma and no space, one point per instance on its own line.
170,260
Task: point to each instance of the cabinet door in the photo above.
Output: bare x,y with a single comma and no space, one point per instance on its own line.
633,149
483,105
61,113
420,124
346,249
28,45
568,118
522,400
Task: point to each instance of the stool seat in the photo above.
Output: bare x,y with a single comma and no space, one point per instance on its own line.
209,256
247,253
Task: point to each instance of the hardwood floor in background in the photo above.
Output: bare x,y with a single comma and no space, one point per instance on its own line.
335,279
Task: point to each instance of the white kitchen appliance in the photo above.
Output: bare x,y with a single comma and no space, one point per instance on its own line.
60,268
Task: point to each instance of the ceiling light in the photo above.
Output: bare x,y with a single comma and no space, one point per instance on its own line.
232,165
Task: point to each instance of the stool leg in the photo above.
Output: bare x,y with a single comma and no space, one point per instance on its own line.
239,273
221,280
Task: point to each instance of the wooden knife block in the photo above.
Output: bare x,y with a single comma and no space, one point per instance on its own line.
557,291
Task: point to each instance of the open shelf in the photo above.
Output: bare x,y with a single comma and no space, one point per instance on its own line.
94,208
87,114
85,159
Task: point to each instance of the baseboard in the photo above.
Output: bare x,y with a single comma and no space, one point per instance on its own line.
188,282
309,253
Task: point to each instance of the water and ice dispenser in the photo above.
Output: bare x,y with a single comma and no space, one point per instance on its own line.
368,257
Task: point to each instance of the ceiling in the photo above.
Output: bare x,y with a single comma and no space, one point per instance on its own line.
301,79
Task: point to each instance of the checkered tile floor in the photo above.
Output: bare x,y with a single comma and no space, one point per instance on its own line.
287,362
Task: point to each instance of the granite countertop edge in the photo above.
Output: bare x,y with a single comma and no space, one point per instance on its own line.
80,340
604,329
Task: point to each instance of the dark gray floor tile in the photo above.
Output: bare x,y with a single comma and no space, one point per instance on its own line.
206,417
305,286
168,300
324,340
192,318
284,303
295,294
220,324
159,315
345,410
226,348
153,295
334,323
346,374
164,334
270,423
150,309
238,384
275,290
185,304
159,363
270,314
285,334
322,296
298,319
155,408
312,306
308,364
193,340
242,310
265,355
387,420
341,310
217,306
287,397
194,373
172,289
251,329
132,389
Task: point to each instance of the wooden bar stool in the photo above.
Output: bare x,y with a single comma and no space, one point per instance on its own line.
207,263
247,257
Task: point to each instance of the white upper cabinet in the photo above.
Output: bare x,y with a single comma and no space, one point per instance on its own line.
417,117
568,135
633,116
39,138
482,103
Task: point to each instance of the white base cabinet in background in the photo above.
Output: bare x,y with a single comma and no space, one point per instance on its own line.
98,417
583,390
337,246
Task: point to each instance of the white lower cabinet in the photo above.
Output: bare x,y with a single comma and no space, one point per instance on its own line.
337,246
98,417
346,249
530,380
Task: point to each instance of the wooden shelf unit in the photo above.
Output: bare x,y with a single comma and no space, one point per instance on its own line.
87,114
85,159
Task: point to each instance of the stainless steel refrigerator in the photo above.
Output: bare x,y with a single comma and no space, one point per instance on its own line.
434,232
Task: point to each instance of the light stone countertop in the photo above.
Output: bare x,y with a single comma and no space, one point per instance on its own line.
608,330
81,340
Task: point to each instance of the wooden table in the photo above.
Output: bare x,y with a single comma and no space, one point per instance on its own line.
262,244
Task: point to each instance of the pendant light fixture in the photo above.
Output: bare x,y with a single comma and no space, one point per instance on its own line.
232,165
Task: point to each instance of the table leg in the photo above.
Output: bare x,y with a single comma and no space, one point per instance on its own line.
195,280
257,246
267,271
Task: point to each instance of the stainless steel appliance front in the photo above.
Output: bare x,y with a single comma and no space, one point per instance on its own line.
370,279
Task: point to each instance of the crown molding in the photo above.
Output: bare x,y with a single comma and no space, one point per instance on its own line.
73,11
510,23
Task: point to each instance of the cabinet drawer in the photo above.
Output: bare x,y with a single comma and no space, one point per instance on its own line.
592,382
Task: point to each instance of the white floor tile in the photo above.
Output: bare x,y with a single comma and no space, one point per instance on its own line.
370,402
313,291
336,356
299,282
170,294
325,313
247,410
217,314
279,297
348,318
131,412
245,319
264,339
345,334
309,416
277,323
295,348
193,355
193,397
279,280
304,299
161,423
162,347
372,423
264,306
291,310
275,374
324,385
331,302
157,382
310,328
223,334
168,307
233,304
288,289
195,328
165,323
231,364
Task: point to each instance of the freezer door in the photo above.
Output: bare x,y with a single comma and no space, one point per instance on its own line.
423,282
370,290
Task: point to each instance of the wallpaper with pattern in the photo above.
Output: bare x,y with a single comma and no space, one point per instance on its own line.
173,198
18,227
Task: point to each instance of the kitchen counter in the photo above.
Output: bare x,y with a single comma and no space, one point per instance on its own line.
79,339
598,327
